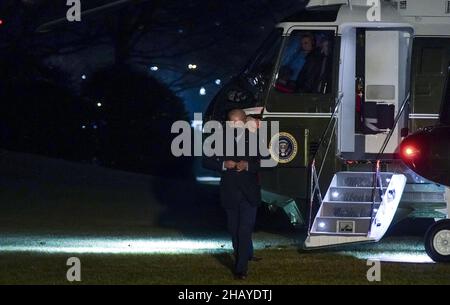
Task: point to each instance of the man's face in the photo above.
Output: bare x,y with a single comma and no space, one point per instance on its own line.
237,121
307,44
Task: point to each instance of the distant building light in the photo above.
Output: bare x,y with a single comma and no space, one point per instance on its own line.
99,104
83,126
94,126
202,91
192,66
208,179
217,23
154,68
197,124
83,76
218,82
180,31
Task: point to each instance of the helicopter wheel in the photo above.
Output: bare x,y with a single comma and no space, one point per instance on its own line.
437,241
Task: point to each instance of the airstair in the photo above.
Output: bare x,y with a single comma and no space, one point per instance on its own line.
360,206
357,207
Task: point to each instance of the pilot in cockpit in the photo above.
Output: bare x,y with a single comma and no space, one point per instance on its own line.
304,67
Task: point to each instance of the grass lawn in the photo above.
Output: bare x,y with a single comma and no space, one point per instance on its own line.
49,203
287,266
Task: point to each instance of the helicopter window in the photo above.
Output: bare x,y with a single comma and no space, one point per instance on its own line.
431,60
445,108
306,63
245,91
262,65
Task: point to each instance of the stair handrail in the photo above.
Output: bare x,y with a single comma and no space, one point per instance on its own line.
377,176
322,138
375,181
314,179
314,189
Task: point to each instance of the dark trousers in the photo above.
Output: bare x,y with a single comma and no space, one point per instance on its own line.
241,222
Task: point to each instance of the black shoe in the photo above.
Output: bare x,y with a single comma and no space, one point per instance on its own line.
255,259
240,276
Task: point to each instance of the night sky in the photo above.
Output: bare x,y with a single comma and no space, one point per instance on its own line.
106,89
161,37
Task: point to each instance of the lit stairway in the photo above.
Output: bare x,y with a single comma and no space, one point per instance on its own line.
345,214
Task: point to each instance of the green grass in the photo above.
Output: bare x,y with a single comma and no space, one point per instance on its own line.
287,266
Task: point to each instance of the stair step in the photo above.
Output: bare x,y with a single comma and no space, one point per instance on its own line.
338,234
349,202
345,215
353,194
346,209
424,187
430,197
339,225
358,179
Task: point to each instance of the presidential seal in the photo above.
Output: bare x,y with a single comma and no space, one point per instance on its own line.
287,147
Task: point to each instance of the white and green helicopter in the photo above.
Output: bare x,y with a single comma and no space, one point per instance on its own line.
347,81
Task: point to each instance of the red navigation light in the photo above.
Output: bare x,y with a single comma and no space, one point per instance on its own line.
410,151
1,21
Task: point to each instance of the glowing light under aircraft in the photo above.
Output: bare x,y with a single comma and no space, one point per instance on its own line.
401,251
113,245
116,245
396,257
51,244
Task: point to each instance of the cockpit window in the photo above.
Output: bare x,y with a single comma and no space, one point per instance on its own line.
306,63
262,64
247,90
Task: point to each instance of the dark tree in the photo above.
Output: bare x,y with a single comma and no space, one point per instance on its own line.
133,120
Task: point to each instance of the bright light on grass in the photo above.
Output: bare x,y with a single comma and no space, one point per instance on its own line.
112,245
115,245
399,257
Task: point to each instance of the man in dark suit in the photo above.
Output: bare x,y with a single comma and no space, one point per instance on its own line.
240,191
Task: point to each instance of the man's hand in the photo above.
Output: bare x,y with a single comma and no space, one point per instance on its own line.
230,164
242,166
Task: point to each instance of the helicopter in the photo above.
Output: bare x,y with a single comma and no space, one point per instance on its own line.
370,82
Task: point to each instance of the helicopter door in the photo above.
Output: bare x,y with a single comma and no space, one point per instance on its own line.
375,82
